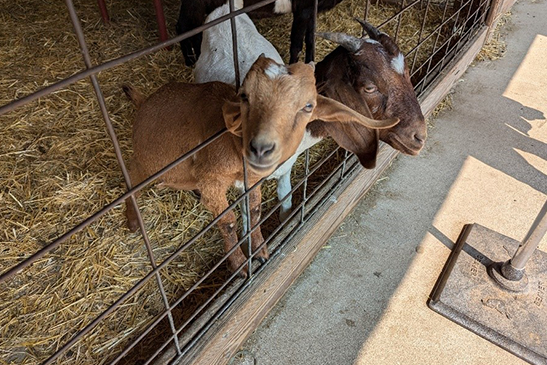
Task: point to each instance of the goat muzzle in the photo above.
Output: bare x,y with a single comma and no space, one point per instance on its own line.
261,155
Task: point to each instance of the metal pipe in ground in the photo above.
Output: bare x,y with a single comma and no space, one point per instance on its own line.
513,269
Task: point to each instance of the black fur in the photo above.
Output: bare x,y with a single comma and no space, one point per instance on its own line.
193,13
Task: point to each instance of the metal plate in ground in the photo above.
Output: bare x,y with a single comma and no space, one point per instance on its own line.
467,295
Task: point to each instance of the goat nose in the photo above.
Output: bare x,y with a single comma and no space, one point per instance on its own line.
419,138
261,149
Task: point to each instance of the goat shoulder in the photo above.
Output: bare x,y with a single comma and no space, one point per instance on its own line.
177,118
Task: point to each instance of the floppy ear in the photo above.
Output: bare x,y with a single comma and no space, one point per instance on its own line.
354,137
330,110
362,141
232,117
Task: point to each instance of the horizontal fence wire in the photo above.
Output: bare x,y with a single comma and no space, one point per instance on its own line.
313,197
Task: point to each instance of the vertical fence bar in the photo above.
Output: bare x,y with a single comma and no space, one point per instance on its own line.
305,187
458,12
246,209
102,104
234,47
420,36
438,30
314,29
399,18
343,170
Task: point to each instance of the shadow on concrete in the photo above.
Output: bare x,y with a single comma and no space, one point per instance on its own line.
339,310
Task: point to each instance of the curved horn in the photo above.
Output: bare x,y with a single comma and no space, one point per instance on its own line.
351,43
378,36
372,32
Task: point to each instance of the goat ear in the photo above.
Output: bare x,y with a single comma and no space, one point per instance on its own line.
232,117
330,110
363,142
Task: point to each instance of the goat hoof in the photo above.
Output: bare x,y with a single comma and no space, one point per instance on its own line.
242,273
133,226
284,215
190,60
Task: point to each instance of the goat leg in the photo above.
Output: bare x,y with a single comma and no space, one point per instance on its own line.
284,189
255,200
191,15
310,38
299,26
213,197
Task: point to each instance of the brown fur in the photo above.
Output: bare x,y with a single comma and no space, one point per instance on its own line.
178,117
345,75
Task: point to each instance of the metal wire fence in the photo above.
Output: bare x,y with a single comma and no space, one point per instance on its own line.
459,22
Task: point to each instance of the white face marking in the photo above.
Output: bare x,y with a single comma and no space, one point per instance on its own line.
398,63
282,6
239,185
274,70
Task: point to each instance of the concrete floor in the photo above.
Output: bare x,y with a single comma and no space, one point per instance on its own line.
363,299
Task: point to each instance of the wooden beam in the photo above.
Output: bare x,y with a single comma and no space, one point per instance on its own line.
497,9
506,5
228,333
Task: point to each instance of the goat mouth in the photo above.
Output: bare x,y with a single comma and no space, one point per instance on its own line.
261,168
394,141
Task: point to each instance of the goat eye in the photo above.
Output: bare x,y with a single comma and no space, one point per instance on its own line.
370,88
308,108
243,97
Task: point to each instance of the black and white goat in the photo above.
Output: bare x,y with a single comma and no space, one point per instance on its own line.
192,14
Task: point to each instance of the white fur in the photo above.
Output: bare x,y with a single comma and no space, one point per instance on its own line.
286,167
283,7
398,63
239,185
274,70
216,64
216,60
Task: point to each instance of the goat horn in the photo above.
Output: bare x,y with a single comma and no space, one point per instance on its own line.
351,43
372,32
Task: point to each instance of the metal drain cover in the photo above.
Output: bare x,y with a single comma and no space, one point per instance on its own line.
467,295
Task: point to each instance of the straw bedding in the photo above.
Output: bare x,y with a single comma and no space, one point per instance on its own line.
57,166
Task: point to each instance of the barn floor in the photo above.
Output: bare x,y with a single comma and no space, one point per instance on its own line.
363,299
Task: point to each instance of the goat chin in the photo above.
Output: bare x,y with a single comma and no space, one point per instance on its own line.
394,141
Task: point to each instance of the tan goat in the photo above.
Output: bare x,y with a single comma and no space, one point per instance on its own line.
266,121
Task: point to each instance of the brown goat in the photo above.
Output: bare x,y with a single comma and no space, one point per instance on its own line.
370,75
266,121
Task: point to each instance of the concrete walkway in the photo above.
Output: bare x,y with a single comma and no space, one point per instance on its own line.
363,299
